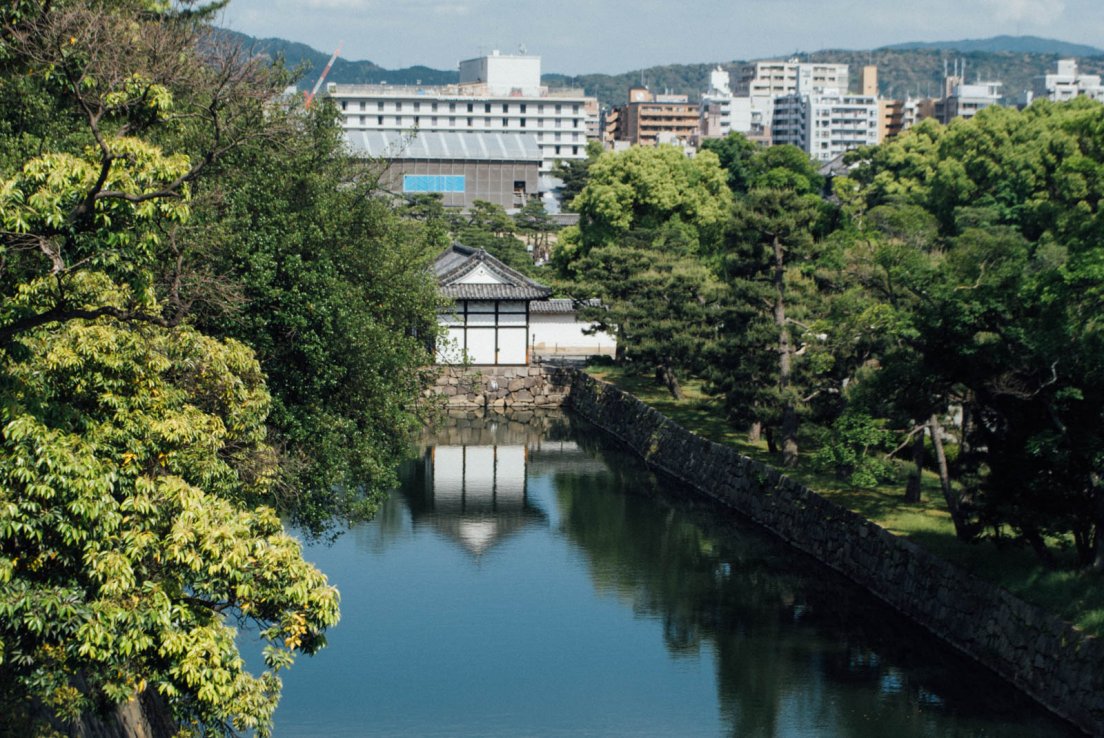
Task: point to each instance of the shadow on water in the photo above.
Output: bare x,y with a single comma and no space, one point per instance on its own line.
796,643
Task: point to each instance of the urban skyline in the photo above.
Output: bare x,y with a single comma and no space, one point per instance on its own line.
598,36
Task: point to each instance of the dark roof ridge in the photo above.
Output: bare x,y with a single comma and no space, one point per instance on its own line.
482,256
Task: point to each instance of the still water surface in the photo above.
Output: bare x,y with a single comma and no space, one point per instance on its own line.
532,580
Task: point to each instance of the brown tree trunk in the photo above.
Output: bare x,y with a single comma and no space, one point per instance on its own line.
785,358
772,448
962,530
665,376
1098,532
912,488
755,432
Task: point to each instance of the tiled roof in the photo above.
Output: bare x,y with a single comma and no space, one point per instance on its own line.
552,306
444,145
492,292
458,260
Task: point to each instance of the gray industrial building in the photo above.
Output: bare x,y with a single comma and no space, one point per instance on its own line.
502,168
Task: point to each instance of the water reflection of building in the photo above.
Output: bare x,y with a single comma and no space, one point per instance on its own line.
476,495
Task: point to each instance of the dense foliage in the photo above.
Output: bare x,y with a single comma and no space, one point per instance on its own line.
950,287
203,316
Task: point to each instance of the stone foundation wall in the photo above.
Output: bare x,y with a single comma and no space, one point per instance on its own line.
502,387
1044,656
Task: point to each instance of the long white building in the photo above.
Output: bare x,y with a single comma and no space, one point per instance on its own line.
496,94
766,81
826,124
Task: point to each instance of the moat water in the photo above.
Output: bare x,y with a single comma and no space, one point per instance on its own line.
534,580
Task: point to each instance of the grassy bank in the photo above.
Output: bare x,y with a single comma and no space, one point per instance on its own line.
1073,595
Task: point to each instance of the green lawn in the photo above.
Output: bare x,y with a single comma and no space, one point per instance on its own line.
1075,596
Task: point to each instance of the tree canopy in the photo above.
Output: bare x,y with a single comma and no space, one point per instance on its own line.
204,319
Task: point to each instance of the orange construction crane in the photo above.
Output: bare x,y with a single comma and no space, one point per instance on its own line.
330,63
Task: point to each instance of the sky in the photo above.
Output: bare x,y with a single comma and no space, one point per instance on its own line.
578,36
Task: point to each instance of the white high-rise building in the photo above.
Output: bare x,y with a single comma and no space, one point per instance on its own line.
826,124
1067,83
498,93
765,81
723,113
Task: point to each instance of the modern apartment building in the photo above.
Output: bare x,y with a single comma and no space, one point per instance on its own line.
722,113
896,116
648,115
498,94
765,81
776,78
1066,83
826,124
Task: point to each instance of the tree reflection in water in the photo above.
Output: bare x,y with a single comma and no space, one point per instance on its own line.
798,647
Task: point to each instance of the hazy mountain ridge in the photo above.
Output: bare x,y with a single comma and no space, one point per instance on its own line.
902,71
1014,44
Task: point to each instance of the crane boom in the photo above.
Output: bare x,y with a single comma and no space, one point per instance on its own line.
330,63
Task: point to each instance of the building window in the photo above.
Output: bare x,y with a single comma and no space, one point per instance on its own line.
523,107
471,107
398,106
343,103
379,105
379,120
452,107
433,108
470,123
505,122
523,122
487,108
362,104
433,183
433,121
363,120
505,108
417,106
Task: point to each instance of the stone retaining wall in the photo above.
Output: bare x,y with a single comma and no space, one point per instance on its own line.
1042,655
501,387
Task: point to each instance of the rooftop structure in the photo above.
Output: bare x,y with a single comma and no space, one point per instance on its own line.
1066,83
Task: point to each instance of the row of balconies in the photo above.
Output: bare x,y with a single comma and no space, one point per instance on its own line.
457,123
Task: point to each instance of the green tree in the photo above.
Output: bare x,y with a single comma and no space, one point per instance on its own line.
134,456
772,241
646,217
644,188
574,173
332,290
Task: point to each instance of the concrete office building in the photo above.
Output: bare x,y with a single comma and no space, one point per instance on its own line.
825,124
502,168
499,94
1066,83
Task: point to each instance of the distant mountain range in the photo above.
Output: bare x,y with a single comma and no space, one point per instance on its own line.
903,69
1014,44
